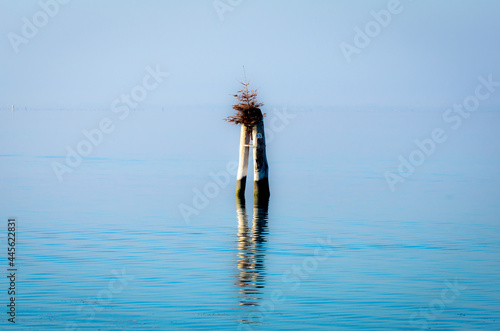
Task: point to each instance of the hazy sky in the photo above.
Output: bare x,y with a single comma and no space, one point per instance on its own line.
90,52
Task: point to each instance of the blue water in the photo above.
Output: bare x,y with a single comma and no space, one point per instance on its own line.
108,248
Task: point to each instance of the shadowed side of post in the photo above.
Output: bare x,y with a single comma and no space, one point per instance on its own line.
261,169
241,178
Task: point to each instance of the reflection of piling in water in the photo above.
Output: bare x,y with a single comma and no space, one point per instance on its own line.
260,217
251,252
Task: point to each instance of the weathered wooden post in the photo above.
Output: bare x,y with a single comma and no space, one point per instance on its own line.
241,178
261,168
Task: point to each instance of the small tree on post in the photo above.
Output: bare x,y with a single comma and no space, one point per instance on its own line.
251,119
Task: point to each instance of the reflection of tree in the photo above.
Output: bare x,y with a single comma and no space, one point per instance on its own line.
251,252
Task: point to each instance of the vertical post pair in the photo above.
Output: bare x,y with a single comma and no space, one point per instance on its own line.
261,168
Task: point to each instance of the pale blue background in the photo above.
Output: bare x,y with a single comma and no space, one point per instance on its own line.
394,251
92,51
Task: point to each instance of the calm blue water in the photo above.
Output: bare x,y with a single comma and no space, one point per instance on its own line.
108,248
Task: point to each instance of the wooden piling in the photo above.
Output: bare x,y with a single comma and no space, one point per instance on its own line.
261,168
241,178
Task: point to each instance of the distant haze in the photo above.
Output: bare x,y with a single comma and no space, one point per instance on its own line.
429,54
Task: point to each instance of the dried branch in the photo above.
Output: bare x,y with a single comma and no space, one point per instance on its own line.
248,109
